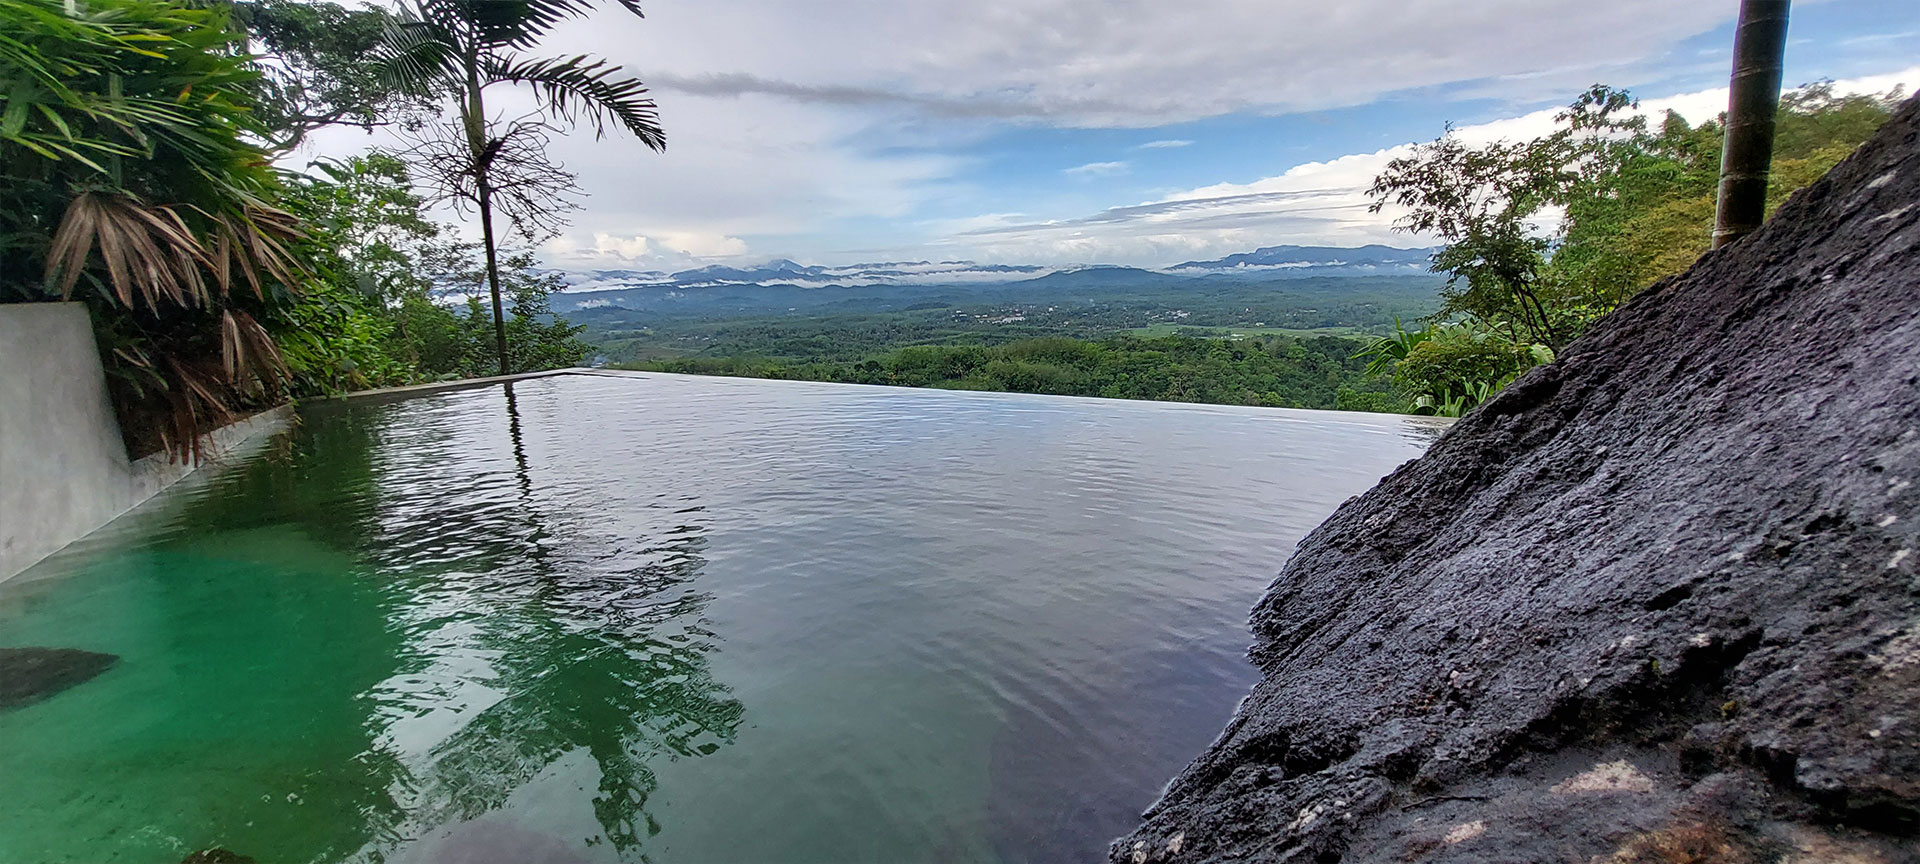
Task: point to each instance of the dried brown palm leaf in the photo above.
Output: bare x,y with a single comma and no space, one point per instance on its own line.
223,259
148,252
254,241
248,356
196,406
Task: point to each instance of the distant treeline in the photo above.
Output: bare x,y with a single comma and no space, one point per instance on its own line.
795,324
1276,371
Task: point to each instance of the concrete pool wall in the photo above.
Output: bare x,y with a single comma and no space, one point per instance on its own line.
64,470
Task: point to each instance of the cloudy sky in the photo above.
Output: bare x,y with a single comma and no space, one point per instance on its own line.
1124,131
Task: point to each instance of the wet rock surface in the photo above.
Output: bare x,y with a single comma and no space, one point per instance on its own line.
32,674
1659,601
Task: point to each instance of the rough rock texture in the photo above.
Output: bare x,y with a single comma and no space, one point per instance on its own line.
31,674
1656,602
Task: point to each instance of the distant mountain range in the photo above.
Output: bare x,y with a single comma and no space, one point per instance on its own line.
1317,260
783,272
765,282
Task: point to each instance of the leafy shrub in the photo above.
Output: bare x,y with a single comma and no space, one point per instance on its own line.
1456,366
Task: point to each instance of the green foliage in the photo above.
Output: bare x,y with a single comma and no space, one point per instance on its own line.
850,324
1485,202
1317,372
1350,399
314,69
335,340
1448,368
1384,353
370,225
130,180
1633,203
1460,366
384,267
102,84
444,342
536,338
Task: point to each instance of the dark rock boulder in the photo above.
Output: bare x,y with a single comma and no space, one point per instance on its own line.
31,674
1658,601
217,855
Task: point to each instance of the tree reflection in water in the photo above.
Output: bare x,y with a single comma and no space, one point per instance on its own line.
536,622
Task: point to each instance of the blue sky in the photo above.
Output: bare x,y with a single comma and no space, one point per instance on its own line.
1126,131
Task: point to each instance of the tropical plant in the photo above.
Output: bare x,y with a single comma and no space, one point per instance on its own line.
129,179
335,339
457,341
1549,234
382,258
468,46
312,59
1447,368
373,228
1384,353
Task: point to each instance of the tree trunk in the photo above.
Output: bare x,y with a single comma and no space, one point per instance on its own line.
474,119
1759,47
493,276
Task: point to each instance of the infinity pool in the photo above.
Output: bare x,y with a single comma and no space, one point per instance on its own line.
649,617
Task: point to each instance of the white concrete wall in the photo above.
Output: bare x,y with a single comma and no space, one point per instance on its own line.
63,468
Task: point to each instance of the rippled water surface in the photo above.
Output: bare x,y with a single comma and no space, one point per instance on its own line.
600,618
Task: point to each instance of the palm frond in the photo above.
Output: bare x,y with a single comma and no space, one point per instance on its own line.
417,55
582,87
148,252
255,240
197,406
248,356
507,23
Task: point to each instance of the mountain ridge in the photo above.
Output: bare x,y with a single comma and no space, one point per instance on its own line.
1298,257
1269,262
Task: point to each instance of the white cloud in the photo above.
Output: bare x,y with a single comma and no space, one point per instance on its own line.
701,245
1314,203
666,250
1166,144
803,121
806,128
1096,169
734,168
1137,63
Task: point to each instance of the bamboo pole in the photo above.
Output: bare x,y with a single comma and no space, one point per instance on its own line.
1759,49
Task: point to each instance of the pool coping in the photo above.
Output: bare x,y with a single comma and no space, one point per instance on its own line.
394,394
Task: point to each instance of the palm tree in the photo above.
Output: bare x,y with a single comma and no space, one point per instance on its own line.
463,47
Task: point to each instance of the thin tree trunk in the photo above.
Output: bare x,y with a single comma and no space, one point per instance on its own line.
1759,49
475,121
493,276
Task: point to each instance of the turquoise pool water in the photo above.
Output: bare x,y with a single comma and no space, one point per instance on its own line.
626,618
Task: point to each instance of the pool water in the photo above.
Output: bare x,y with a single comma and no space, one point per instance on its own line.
649,617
